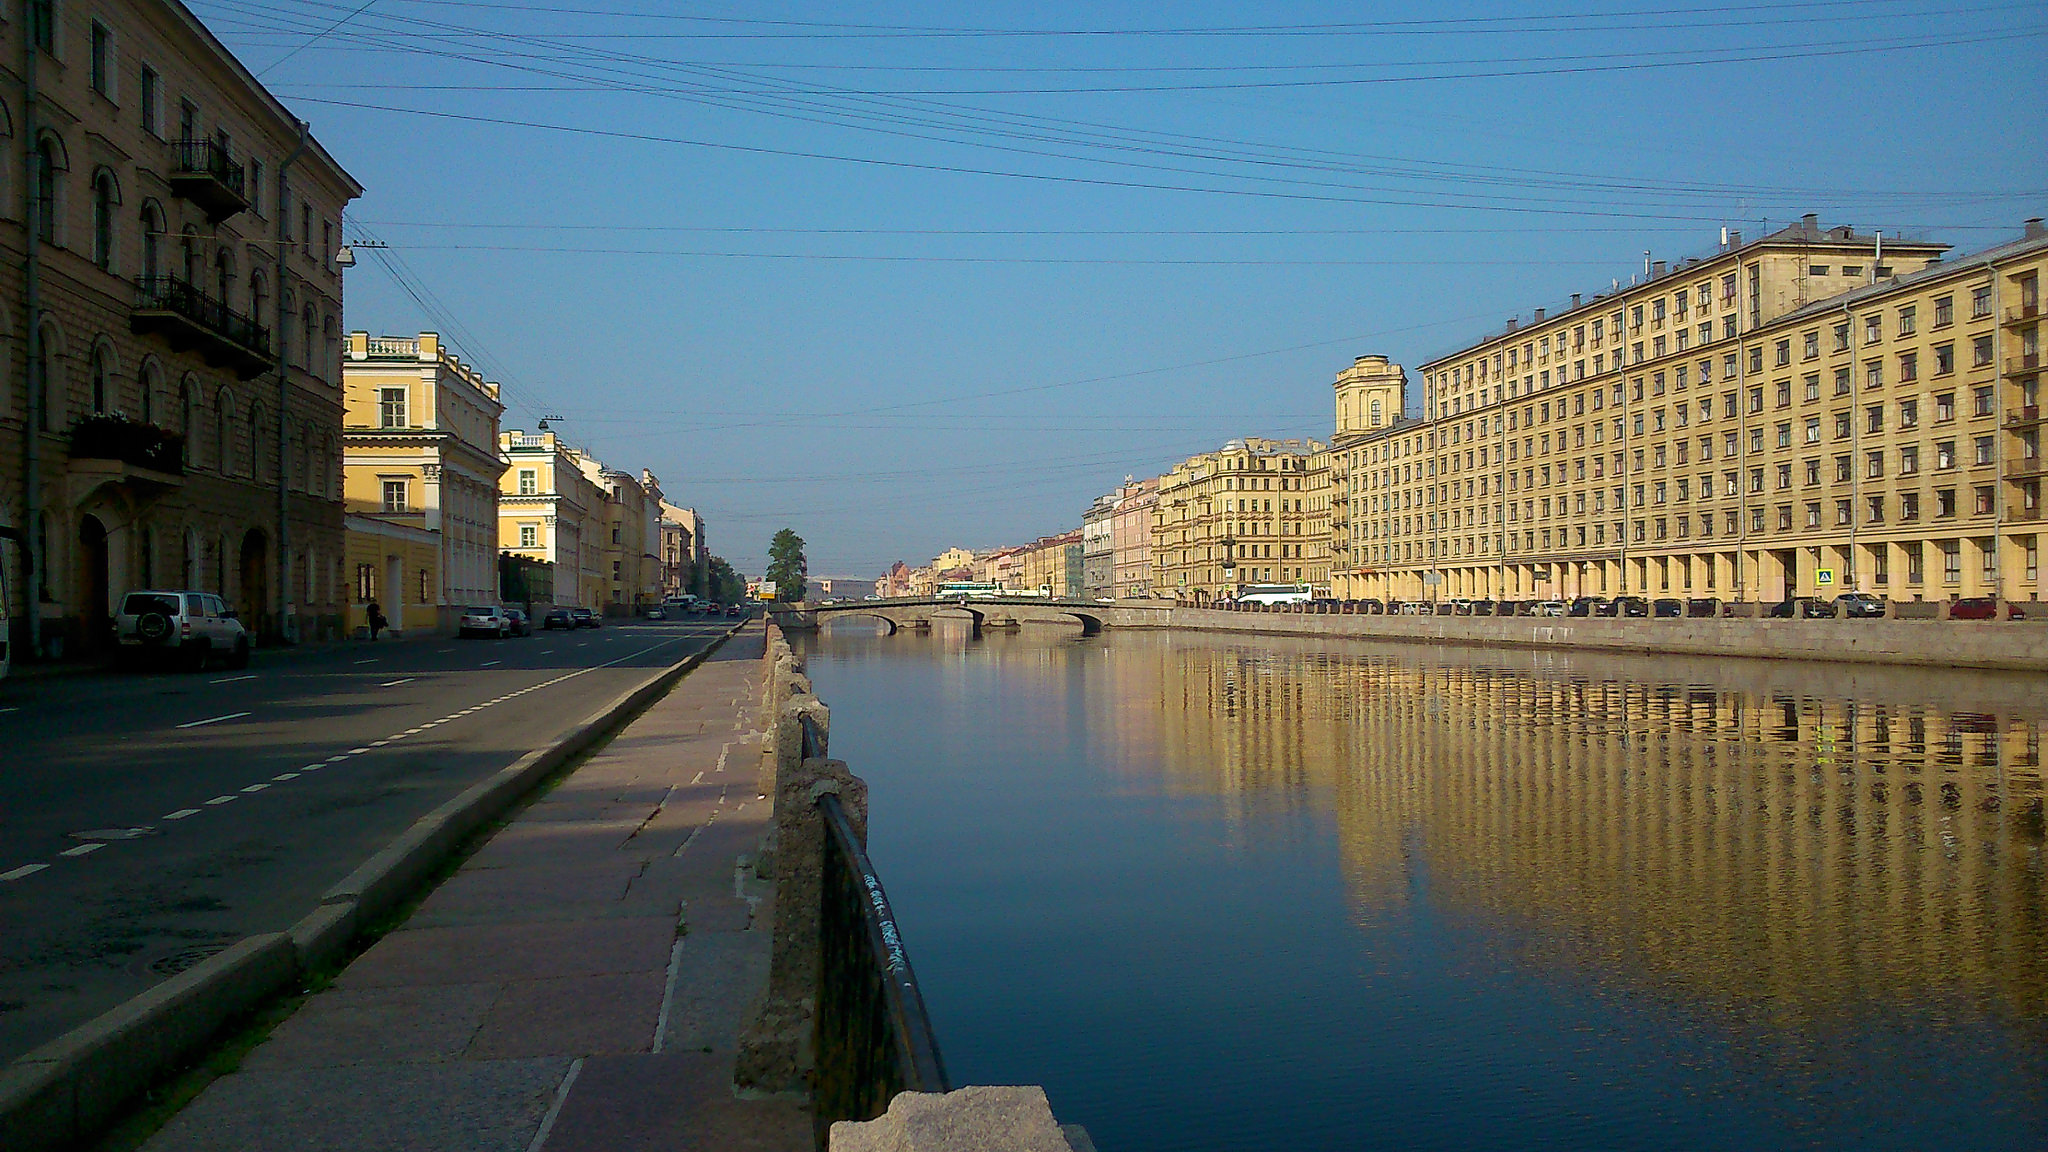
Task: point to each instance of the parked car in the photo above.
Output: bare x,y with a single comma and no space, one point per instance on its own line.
1372,607
1667,608
484,620
1859,606
521,626
735,610
1631,606
585,618
1605,607
1983,608
558,617
654,612
1550,608
1706,607
1585,605
1802,607
190,627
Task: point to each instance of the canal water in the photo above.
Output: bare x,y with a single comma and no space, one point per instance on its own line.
1239,893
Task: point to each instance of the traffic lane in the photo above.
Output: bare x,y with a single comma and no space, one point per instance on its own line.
85,936
138,764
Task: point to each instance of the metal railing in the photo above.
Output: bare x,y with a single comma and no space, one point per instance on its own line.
873,1038
175,295
208,158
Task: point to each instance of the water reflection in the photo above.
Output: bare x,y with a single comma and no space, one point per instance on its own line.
1781,905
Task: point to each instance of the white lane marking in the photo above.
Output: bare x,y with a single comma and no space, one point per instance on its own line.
396,683
222,800
14,710
338,758
181,813
379,743
255,787
215,720
82,850
699,779
668,993
357,751
371,660
315,766
547,1123
281,777
24,870
444,649
414,731
232,679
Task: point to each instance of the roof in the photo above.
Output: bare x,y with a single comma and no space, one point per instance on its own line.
1999,254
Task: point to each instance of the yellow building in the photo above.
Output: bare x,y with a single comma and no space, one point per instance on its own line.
170,414
629,564
1242,515
550,511
1805,413
1051,565
420,449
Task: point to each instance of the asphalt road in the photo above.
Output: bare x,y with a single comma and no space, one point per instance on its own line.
149,820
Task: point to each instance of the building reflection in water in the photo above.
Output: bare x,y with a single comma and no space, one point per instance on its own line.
1792,837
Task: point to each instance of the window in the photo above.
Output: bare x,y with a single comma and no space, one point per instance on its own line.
1873,329
1909,460
1842,337
1873,374
529,482
104,199
391,408
1873,418
48,161
1812,472
1782,355
1944,311
1944,407
1944,502
1844,513
1909,509
1784,393
1980,303
1909,367
101,70
1812,516
1875,515
1982,401
1985,500
1842,382
1944,454
1944,359
1812,383
1813,429
1873,465
1907,320
1951,561
1983,449
1756,359
42,24
366,583
188,120
529,535
1784,476
1842,425
1980,351
149,97
1844,470
255,189
394,496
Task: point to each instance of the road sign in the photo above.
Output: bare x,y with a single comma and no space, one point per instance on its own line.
1824,577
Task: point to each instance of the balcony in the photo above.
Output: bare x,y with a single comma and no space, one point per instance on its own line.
2023,417
2026,467
190,320
118,438
2022,313
204,173
2019,365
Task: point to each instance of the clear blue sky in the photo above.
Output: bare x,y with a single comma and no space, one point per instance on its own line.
908,276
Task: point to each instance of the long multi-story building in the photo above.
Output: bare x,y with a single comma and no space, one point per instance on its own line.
1098,547
170,410
551,513
420,450
1052,565
1813,411
1131,538
1242,515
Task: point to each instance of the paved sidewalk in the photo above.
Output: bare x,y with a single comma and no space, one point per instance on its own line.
579,984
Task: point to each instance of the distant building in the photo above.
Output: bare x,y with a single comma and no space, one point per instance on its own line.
1131,538
1241,515
550,511
1098,548
1052,564
686,555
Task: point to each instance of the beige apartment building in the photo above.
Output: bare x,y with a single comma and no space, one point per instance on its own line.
1130,538
629,568
170,408
1807,413
419,451
1244,514
1051,565
550,512
685,560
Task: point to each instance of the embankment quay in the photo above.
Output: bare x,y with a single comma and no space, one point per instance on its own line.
2004,645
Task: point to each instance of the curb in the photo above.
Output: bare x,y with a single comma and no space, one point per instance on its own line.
64,1092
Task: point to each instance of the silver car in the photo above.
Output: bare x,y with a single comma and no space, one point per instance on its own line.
484,620
190,627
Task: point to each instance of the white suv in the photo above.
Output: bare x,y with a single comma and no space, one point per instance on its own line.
484,620
189,626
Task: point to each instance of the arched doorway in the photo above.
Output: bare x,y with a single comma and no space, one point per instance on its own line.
254,606
93,585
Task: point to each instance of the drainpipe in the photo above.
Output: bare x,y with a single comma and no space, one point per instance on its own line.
286,624
33,536
1856,411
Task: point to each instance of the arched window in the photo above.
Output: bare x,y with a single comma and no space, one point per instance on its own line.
224,277
260,455
106,196
102,381
49,161
259,297
152,242
49,390
308,326
330,349
224,432
149,382
284,333
188,418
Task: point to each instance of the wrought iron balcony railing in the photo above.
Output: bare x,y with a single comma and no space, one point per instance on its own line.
190,319
204,173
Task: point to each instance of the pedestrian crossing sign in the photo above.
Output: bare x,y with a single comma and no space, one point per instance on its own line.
1824,576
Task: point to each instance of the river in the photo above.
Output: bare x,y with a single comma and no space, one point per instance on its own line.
1236,893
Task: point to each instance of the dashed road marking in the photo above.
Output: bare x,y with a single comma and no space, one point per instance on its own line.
337,758
232,679
24,870
357,751
396,683
255,787
222,800
315,766
379,743
82,850
10,709
215,720
371,660
488,663
281,777
181,813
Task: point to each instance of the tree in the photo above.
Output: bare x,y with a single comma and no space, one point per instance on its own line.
726,585
786,566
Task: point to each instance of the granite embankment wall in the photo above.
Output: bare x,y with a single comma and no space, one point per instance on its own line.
2004,645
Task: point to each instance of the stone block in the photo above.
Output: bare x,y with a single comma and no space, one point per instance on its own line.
981,1118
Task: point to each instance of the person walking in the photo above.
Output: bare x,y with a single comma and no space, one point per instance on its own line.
377,621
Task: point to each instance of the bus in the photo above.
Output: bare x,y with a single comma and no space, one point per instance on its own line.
1274,594
970,590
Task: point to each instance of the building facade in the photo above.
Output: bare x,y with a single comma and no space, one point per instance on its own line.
1131,538
629,568
685,562
1098,548
551,512
420,447
1051,565
170,406
1240,515
1804,414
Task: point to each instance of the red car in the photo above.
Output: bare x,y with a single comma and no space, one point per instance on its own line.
1982,608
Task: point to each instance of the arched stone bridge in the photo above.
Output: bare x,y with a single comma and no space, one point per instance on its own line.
918,613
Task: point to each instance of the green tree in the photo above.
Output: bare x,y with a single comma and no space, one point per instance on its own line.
786,566
726,585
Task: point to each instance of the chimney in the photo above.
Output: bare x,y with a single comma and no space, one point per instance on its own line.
1511,323
1575,299
2035,230
1735,240
1539,316
1657,269
1810,223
